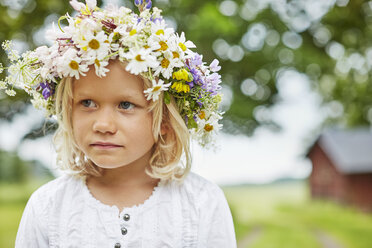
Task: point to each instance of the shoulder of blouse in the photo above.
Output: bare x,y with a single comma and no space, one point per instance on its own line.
50,192
198,188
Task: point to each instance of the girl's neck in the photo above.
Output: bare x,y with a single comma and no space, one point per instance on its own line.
123,176
128,175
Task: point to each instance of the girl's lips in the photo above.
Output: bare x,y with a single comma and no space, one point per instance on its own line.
104,145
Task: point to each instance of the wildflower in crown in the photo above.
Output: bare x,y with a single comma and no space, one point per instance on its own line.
143,41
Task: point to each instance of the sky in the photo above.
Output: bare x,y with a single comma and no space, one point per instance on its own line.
262,158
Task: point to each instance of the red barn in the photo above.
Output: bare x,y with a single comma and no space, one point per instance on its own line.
342,167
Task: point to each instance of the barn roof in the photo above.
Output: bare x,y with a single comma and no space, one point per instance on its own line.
349,150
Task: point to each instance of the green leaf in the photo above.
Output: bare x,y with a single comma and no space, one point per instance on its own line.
166,97
192,123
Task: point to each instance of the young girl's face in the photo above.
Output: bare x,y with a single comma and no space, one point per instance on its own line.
111,123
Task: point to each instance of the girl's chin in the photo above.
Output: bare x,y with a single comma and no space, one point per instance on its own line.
107,165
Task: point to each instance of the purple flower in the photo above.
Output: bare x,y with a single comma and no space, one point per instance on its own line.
197,75
138,2
196,61
214,66
213,83
191,84
149,4
47,92
158,19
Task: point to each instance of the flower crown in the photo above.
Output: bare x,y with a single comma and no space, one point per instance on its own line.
150,48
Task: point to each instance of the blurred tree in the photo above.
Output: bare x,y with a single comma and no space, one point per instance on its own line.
14,169
343,72
255,41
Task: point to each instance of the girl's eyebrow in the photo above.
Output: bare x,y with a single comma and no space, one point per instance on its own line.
127,96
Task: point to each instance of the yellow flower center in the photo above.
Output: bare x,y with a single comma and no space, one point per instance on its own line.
163,46
176,55
74,65
156,88
138,58
146,47
97,62
208,127
165,63
94,44
132,32
202,115
159,32
182,46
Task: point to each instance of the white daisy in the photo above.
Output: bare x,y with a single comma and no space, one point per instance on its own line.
183,44
69,65
178,55
95,45
139,60
208,127
100,66
159,28
132,35
167,63
159,43
156,89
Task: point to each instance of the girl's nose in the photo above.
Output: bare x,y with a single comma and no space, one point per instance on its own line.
105,122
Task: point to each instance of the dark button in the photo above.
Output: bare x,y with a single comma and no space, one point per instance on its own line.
124,230
126,217
117,245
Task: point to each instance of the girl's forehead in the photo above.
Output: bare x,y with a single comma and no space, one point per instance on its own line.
116,82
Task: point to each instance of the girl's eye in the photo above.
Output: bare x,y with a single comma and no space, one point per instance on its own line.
126,105
88,103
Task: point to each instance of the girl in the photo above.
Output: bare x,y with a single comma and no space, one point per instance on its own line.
127,93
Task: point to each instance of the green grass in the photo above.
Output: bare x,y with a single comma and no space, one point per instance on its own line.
351,227
13,199
289,218
10,216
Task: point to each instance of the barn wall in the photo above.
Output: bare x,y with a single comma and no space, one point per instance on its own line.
360,191
325,181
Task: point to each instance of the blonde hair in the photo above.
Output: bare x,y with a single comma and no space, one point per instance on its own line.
165,162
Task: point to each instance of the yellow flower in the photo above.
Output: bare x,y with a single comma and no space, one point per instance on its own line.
181,75
181,87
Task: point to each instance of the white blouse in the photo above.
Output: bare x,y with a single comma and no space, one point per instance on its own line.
63,213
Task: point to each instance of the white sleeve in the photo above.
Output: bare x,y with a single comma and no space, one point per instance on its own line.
216,227
31,231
